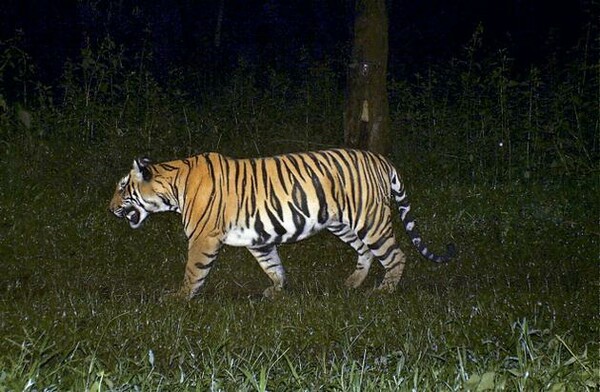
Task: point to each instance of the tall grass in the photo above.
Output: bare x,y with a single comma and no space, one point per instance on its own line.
486,122
477,118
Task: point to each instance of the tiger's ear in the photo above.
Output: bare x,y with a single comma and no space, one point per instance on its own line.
141,170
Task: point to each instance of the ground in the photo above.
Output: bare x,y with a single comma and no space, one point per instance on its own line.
83,302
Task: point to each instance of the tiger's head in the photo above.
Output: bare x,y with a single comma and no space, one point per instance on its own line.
138,195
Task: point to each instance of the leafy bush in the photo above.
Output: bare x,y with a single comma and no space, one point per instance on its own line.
475,119
485,123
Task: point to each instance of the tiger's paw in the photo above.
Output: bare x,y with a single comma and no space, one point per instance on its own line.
386,287
273,292
179,295
355,280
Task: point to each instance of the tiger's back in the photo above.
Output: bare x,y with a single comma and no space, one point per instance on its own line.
262,202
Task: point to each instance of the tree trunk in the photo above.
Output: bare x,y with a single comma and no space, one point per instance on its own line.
219,24
366,112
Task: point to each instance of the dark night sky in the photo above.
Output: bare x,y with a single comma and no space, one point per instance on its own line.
284,33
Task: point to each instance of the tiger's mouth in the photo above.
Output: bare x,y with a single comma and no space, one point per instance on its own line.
133,216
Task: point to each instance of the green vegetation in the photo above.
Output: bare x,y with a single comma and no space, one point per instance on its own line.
83,302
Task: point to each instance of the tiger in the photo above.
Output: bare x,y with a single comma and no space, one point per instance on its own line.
260,203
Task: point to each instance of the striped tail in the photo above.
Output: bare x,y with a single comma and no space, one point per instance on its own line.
399,195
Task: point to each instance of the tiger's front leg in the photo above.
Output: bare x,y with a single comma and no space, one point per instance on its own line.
201,256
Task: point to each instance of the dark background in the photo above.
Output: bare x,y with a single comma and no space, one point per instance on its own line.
290,34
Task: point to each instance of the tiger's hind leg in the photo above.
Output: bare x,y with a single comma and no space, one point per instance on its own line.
269,261
365,257
386,250
393,262
379,237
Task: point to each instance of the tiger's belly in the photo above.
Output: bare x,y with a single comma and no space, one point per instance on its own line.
267,233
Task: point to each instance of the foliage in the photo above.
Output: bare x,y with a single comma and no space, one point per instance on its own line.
475,118
491,125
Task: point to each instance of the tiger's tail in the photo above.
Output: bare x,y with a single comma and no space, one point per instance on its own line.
399,194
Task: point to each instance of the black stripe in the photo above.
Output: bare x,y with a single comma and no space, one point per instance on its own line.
203,266
259,227
299,222
279,229
300,200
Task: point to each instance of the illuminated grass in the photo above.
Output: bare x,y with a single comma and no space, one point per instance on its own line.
83,305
